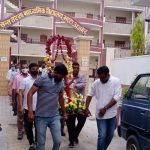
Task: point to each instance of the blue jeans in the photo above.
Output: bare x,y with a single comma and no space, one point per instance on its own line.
55,128
106,129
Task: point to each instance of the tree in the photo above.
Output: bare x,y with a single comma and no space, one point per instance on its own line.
137,38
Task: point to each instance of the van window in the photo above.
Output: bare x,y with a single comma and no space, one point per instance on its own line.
141,90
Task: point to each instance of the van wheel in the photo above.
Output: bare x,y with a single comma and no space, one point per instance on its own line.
132,143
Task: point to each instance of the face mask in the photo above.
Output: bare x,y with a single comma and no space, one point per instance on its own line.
13,68
34,72
18,70
25,71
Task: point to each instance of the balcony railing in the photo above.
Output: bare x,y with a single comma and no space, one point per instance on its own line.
96,47
126,46
37,21
117,28
119,53
121,3
37,47
148,43
84,17
113,20
27,49
87,1
141,2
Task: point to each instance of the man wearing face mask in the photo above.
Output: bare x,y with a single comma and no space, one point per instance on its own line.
11,73
107,91
25,86
49,90
15,91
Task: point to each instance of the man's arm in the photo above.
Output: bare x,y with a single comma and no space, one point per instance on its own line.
87,104
29,101
14,91
82,83
62,104
109,105
114,100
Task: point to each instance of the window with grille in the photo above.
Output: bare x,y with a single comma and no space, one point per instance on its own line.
121,19
89,15
72,14
24,37
120,44
43,38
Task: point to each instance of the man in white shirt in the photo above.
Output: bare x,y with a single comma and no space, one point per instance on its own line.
107,91
24,88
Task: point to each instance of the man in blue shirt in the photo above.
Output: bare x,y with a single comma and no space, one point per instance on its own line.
79,87
49,90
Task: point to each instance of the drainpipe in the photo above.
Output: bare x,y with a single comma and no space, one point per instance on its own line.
101,33
54,19
54,28
2,9
19,32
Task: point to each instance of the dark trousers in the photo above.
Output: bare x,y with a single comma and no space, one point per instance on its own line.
73,129
62,122
20,119
29,128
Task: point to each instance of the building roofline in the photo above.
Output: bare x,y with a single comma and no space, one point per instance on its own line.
124,8
116,34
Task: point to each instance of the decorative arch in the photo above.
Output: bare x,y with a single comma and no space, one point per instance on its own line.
46,11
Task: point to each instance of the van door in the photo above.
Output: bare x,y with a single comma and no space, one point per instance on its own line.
136,106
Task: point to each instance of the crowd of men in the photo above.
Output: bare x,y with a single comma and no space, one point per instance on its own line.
36,97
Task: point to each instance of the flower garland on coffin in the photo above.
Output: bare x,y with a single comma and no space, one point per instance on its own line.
76,105
74,102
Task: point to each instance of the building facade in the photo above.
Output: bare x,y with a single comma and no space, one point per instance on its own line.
119,20
109,22
146,17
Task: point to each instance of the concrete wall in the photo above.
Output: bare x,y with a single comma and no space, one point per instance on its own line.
120,3
4,60
110,39
28,3
127,68
73,6
35,33
110,15
69,32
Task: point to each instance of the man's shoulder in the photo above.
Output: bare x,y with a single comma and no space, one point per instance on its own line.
16,76
81,76
96,82
27,79
114,79
9,71
45,76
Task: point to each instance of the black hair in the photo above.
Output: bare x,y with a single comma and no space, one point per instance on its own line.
61,69
32,65
23,65
75,64
103,70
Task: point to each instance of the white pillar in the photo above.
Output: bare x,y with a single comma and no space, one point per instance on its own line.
145,28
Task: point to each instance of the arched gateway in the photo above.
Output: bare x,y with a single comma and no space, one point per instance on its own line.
46,11
82,47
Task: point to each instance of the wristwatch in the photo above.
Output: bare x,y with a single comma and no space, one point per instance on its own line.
105,108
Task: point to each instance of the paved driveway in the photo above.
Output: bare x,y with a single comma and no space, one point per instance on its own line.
88,137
